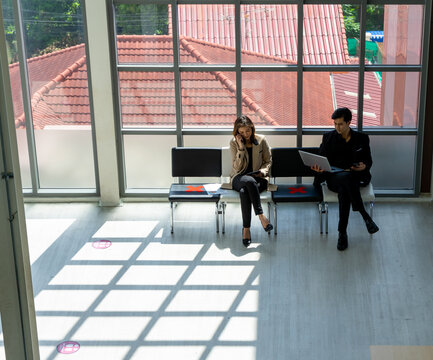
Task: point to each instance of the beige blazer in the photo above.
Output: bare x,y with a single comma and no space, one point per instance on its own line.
262,160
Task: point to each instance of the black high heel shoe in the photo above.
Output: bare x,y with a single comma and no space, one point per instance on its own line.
268,228
245,241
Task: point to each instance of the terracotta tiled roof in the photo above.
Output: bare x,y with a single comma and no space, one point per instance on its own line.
271,30
48,74
209,98
346,94
60,88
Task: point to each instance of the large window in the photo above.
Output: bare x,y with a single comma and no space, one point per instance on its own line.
47,53
193,77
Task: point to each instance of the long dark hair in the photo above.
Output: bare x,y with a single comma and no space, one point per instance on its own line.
243,121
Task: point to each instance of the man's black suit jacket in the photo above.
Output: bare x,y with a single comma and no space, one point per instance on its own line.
344,154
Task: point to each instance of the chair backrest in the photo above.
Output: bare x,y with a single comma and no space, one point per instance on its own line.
226,161
189,161
286,162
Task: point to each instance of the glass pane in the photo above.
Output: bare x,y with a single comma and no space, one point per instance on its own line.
207,34
17,98
208,99
147,99
144,33
269,34
280,140
391,153
394,34
320,99
325,38
23,155
311,140
269,98
397,103
148,160
59,93
207,140
65,157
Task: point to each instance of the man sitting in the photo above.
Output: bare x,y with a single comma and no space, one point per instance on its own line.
347,149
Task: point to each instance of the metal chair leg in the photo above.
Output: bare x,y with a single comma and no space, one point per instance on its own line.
319,205
223,213
275,219
269,211
326,217
171,217
269,215
217,217
371,209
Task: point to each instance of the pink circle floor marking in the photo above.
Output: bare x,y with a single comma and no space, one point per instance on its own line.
101,244
68,347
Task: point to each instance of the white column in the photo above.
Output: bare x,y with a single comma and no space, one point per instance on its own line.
100,72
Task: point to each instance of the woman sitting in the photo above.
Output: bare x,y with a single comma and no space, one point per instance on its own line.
251,159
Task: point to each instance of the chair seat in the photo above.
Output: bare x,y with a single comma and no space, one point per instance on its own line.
367,194
296,193
193,192
232,196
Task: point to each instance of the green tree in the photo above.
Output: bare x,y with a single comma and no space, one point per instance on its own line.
51,25
351,15
142,19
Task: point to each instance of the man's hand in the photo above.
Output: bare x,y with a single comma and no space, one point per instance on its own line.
358,167
317,168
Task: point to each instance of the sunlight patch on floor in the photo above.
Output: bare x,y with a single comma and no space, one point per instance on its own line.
175,252
250,302
168,352
94,275
55,328
240,329
94,353
111,328
42,233
219,275
184,328
117,251
133,300
152,275
215,254
65,300
126,229
202,300
232,353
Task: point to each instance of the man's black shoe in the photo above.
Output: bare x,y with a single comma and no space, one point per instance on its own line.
371,226
342,241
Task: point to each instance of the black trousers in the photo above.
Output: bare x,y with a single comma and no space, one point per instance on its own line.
249,188
347,185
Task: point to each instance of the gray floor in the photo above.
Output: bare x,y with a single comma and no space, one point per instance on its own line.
199,295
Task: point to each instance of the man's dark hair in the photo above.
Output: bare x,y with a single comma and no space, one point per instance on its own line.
343,112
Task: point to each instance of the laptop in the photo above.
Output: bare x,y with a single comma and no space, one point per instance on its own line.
310,159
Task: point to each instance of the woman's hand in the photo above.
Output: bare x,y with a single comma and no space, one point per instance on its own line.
317,168
240,142
358,167
260,174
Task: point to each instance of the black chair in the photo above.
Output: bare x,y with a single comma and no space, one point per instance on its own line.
286,162
194,162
